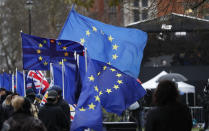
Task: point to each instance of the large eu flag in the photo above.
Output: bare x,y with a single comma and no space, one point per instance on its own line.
104,86
20,84
39,52
120,47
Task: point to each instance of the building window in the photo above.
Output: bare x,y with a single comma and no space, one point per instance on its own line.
136,3
144,3
144,14
136,15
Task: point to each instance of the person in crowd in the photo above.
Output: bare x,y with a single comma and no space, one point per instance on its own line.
136,113
169,114
7,106
3,95
205,102
22,118
30,95
62,103
52,115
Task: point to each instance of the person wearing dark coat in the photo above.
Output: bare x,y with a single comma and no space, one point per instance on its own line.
169,114
22,119
62,103
52,115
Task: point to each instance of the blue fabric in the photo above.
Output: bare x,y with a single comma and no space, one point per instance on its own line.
7,81
1,80
20,84
57,74
108,87
122,47
39,52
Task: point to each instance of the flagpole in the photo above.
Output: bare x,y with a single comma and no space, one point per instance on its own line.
63,82
86,58
24,82
51,76
13,90
78,60
16,78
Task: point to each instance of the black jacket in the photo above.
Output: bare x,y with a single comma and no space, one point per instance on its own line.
53,117
173,117
66,108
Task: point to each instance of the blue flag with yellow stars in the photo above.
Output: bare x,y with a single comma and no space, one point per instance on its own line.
120,47
39,52
104,86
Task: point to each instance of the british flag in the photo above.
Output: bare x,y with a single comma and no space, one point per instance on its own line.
37,80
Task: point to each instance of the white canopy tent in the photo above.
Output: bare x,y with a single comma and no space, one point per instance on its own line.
182,86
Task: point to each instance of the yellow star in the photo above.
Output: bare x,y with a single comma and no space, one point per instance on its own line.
60,62
40,45
108,63
115,47
110,38
112,69
100,93
97,98
98,73
105,67
88,33
114,56
38,51
40,58
66,54
64,48
120,82
91,106
116,87
59,43
45,63
64,59
96,88
108,91
91,78
44,41
82,41
94,28
118,75
82,109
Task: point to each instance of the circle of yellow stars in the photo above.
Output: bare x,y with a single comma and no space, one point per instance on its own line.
116,86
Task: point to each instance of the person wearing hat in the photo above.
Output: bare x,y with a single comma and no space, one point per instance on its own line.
52,115
62,103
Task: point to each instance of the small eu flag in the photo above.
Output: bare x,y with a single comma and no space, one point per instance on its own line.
120,47
39,52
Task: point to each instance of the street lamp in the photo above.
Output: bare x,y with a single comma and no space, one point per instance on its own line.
29,6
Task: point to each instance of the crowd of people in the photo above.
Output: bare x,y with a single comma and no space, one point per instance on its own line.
19,113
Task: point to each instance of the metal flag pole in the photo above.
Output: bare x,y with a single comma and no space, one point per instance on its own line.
13,90
63,82
24,82
86,58
77,60
51,76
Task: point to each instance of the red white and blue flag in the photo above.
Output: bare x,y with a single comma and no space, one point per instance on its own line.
37,81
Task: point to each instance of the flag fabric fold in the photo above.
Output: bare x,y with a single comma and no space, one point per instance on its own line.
120,47
39,52
104,86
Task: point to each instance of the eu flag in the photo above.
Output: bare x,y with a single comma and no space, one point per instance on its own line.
39,52
57,74
7,81
1,80
120,47
104,86
20,84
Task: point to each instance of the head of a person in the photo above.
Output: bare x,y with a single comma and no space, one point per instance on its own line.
166,93
57,89
2,91
30,94
24,124
21,105
52,97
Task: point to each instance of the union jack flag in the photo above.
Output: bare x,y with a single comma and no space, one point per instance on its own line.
37,81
